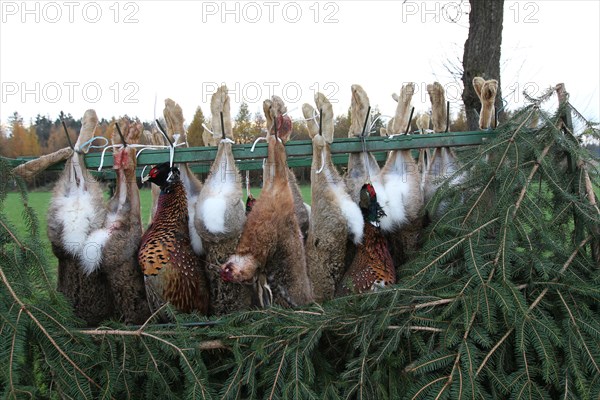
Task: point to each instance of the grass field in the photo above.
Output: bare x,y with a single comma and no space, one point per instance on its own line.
40,202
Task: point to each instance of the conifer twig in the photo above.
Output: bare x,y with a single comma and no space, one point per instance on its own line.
12,235
578,331
207,345
468,235
457,359
530,177
534,304
278,372
592,199
44,331
523,192
509,141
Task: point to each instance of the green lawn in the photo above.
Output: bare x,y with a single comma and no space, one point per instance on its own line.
41,200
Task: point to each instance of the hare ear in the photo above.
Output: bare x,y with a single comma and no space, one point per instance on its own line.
310,115
395,97
219,103
326,116
478,83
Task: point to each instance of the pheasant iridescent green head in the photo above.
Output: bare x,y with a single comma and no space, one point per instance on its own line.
369,206
163,175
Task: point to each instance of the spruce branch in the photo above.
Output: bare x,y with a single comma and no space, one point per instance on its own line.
183,356
457,359
206,345
278,373
510,142
465,237
579,332
428,385
534,304
530,178
43,330
12,235
517,205
12,350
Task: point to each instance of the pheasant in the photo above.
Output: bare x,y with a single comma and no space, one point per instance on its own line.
173,272
372,267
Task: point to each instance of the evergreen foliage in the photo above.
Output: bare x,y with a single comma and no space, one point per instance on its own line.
502,302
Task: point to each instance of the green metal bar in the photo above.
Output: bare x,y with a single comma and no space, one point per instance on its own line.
304,148
299,152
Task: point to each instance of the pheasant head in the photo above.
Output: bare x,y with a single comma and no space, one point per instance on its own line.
163,176
369,206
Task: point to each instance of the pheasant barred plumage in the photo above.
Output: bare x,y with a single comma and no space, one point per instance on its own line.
173,272
372,267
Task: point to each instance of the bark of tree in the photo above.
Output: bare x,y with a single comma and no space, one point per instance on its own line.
481,56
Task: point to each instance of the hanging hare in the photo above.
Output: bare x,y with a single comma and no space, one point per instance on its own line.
220,213
335,218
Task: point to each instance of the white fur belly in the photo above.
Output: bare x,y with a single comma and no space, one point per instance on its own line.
397,190
351,212
77,217
80,234
194,236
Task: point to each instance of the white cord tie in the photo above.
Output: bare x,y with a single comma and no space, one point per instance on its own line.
90,146
258,139
142,147
322,163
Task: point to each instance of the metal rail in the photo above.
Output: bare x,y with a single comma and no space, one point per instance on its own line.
299,152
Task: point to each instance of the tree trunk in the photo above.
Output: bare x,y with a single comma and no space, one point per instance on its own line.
482,53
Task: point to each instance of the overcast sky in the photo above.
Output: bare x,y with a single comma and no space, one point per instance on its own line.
118,57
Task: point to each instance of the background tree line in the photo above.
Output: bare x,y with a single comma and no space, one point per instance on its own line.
44,135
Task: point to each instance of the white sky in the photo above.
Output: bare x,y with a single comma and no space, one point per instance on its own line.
183,50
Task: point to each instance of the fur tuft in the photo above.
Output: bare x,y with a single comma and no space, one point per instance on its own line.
194,236
397,191
91,255
213,213
353,215
76,215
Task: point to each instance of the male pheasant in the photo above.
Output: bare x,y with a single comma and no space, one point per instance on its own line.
173,272
372,267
